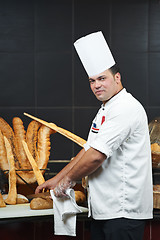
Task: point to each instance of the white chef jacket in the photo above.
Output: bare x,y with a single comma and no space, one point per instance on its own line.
122,185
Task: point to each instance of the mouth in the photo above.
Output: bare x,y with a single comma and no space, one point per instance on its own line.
98,92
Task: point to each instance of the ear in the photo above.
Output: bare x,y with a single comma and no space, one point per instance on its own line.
117,77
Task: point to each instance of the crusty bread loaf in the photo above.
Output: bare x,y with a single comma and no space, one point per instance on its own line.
41,203
43,146
37,172
32,137
80,141
20,134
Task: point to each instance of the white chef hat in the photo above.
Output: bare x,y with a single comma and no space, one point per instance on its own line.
94,53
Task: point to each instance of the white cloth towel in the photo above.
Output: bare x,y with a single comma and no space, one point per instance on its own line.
65,211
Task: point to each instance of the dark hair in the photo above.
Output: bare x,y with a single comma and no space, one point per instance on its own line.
114,69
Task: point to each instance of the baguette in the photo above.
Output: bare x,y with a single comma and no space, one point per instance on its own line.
20,135
12,194
9,134
37,172
2,203
43,146
80,141
32,137
3,154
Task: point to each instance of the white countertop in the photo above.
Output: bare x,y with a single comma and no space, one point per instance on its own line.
23,210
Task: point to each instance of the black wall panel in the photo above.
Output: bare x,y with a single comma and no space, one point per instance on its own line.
40,72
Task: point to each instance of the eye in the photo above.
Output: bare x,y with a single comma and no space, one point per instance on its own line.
91,81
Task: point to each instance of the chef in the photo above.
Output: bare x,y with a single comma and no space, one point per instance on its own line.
116,157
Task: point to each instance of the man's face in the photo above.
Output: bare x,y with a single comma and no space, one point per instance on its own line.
105,85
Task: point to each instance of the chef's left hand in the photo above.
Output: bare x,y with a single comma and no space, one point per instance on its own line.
62,186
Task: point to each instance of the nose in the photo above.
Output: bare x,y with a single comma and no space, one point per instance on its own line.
97,84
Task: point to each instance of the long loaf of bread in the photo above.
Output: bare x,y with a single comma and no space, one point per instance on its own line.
43,146
2,203
20,135
32,137
3,154
37,172
12,194
80,141
9,134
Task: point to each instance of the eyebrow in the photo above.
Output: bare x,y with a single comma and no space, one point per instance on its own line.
97,77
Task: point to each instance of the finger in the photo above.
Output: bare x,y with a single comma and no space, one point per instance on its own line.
39,189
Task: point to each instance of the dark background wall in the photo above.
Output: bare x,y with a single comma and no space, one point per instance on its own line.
41,74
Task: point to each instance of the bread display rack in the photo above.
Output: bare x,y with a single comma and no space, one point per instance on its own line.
154,130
